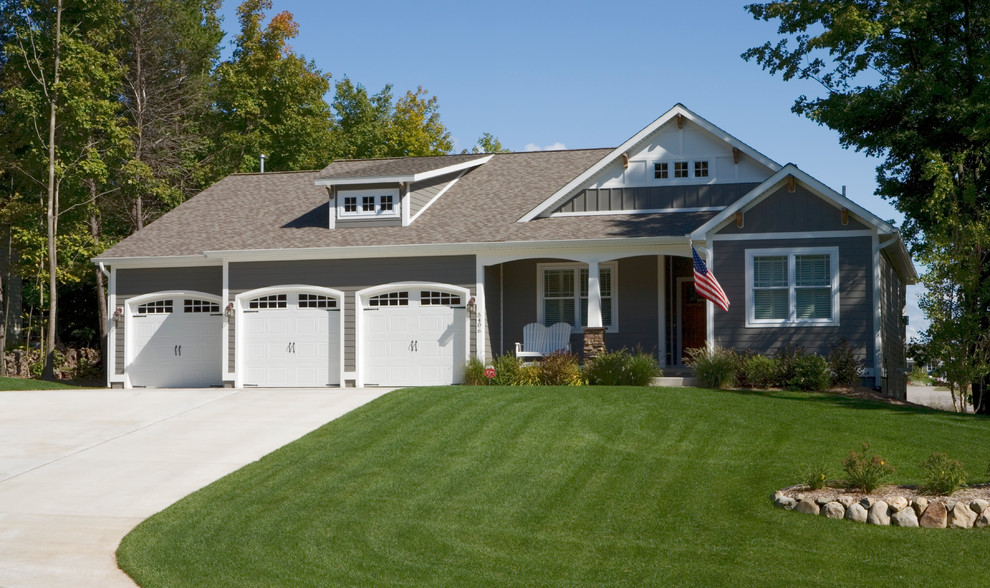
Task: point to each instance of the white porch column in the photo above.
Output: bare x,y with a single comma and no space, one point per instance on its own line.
479,315
594,295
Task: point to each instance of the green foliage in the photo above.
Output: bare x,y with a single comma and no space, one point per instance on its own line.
787,357
488,143
620,368
941,475
506,367
864,471
907,82
474,372
715,367
845,369
560,369
810,373
761,371
816,476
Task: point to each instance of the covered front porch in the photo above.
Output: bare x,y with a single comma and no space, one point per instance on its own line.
642,299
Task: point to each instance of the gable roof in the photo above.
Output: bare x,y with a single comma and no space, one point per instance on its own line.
679,109
288,211
396,169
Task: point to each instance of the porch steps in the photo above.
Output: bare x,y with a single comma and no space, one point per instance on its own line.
676,381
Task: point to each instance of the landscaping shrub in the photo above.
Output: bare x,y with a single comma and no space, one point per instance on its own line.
620,368
739,368
607,369
864,471
528,375
507,367
941,475
761,371
816,476
474,372
810,373
560,368
714,367
786,356
643,367
844,367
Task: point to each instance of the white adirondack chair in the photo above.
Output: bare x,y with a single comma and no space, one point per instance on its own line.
539,341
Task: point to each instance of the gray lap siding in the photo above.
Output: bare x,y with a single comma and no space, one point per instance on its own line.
636,304
138,282
855,300
350,276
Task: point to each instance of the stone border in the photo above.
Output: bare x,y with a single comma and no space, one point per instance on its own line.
935,513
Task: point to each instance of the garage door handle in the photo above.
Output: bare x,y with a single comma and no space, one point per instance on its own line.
414,346
177,351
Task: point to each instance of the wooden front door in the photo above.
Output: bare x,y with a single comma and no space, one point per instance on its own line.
692,321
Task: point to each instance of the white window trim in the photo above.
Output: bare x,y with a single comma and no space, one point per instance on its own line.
792,320
672,180
342,195
576,267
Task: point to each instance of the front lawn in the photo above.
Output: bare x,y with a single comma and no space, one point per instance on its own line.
565,486
32,384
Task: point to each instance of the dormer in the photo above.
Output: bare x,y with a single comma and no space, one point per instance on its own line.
390,192
679,163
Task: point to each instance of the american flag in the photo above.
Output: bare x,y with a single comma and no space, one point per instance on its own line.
706,285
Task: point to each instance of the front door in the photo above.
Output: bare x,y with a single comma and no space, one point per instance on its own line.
692,319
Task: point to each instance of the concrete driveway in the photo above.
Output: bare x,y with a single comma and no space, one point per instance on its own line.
80,468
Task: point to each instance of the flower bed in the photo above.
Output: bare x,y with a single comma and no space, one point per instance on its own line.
899,506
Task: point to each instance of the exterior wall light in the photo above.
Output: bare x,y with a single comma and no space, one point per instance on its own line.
117,315
472,306
229,311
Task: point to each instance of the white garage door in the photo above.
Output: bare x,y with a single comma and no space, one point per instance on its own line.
292,339
414,338
175,343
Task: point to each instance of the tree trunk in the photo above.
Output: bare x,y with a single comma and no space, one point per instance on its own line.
101,300
52,213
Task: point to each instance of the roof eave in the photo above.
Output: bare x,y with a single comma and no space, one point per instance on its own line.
417,177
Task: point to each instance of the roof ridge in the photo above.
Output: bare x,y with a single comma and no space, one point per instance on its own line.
272,173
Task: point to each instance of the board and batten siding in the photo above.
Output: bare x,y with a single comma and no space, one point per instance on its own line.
636,302
656,198
138,282
892,300
855,300
785,212
350,276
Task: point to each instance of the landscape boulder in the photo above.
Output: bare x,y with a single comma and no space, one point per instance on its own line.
878,514
856,512
833,510
904,518
934,517
961,516
807,506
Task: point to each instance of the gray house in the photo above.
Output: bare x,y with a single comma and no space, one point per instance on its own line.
396,271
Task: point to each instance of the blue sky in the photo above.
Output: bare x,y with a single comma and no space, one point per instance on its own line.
574,74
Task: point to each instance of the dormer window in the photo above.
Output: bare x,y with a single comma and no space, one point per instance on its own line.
680,169
368,203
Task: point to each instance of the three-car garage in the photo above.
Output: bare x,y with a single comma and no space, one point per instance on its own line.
297,335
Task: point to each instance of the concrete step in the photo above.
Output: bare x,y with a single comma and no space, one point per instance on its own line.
676,381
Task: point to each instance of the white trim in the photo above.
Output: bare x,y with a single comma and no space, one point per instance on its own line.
640,211
576,327
792,320
405,204
449,185
417,177
360,195
480,341
776,181
661,311
795,235
678,109
359,305
130,306
112,376
225,336
877,316
198,260
239,331
709,305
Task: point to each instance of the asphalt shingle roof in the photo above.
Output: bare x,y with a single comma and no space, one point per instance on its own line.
396,166
288,211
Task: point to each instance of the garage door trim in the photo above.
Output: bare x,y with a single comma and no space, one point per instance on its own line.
130,311
240,305
361,299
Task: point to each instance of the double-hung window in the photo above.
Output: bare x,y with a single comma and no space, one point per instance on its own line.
563,294
791,287
368,203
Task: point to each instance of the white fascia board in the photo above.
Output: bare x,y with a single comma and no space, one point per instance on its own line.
678,109
158,261
406,178
771,184
441,249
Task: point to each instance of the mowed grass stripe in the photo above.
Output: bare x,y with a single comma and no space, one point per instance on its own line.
563,486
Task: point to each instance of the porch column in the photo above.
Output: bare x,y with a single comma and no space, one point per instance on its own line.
480,350
594,333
